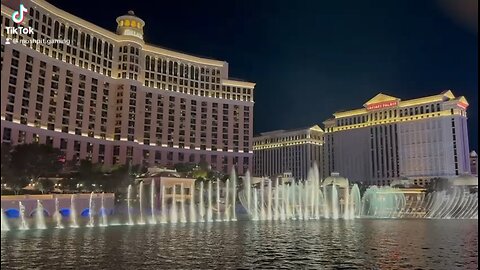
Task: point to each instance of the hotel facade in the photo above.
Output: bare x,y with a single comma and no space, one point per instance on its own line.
113,99
389,138
287,151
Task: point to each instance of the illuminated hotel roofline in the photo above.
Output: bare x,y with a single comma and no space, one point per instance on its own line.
401,104
69,18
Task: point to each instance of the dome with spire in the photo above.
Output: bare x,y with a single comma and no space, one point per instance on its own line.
130,25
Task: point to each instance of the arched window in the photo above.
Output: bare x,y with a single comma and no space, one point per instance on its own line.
99,47
82,40
152,64
181,70
70,33
94,45
75,37
125,49
147,62
197,71
175,69
105,49
170,67
62,30
87,42
110,52
192,72
56,28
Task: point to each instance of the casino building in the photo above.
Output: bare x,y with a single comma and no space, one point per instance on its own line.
112,98
390,139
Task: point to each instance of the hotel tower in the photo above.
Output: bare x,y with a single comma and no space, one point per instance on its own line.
112,98
389,138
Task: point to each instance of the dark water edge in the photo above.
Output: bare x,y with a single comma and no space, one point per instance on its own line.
320,244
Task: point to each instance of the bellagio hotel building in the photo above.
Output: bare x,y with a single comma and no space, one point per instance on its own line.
113,99
389,139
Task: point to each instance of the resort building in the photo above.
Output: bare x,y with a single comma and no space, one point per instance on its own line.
281,151
112,98
390,138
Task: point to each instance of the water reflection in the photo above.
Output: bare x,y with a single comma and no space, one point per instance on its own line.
353,244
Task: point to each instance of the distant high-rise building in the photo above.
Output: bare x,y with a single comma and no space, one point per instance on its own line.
112,98
474,163
390,138
293,151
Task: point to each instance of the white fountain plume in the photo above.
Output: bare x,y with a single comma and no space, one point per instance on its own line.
210,207
5,226
202,203
153,219
334,202
219,215
255,204
192,211
277,200
91,213
247,185
142,220
346,207
262,197
163,217
234,194
183,216
173,208
129,206
73,212
326,210
57,215
39,216
103,212
24,224
227,193
269,201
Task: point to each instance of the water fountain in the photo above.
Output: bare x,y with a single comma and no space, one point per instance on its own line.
57,215
202,203
73,213
234,194
227,197
103,212
91,211
219,216
173,208
40,216
142,220
153,220
192,212
183,216
163,217
5,226
210,208
129,207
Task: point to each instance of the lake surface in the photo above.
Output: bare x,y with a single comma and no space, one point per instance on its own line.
324,244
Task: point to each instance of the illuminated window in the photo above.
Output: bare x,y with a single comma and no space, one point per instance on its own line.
127,22
134,24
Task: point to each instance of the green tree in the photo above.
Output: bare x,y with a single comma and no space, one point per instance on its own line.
45,185
32,161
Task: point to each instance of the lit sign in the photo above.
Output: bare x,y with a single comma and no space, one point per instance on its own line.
134,33
462,105
382,105
17,16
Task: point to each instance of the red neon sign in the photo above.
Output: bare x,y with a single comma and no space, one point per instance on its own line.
381,105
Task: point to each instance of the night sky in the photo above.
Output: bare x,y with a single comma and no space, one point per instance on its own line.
312,58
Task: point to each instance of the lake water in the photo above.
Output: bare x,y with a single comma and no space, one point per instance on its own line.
324,244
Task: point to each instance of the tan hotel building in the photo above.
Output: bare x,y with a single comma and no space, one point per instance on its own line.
390,138
112,98
292,151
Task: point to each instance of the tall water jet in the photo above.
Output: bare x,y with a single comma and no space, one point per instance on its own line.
103,212
39,216
227,193
262,197
91,213
210,207
346,206
23,224
248,187
192,212
5,226
202,203
57,215
142,220
153,220
326,211
173,208
129,206
73,212
219,216
234,194
356,201
334,202
255,204
183,216
163,217
269,202
277,199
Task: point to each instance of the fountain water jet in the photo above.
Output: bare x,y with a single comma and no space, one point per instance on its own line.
103,212
73,213
183,216
142,220
129,207
153,220
5,226
91,213
57,215
39,216
23,224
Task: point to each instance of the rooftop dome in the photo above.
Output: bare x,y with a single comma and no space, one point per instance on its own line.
464,180
335,179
